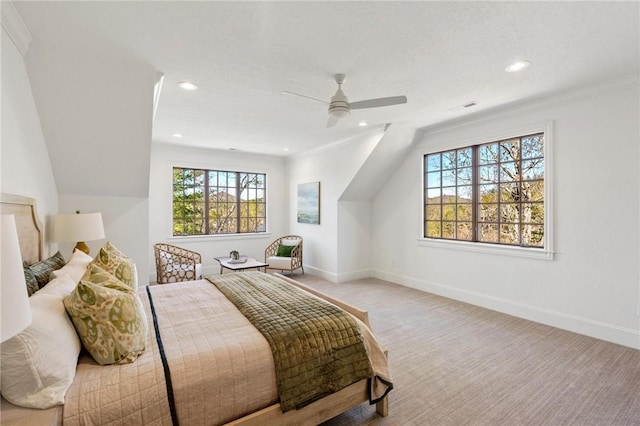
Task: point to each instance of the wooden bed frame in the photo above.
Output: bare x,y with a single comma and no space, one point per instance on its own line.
31,239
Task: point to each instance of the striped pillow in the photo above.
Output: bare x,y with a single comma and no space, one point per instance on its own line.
32,282
44,268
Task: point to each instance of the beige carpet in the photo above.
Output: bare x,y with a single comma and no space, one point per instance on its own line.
457,364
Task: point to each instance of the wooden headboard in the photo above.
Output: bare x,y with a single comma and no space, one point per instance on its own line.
29,228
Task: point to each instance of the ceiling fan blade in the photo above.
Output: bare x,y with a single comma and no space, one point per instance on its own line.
332,120
379,102
286,92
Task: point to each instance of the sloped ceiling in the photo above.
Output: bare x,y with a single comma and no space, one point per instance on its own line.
243,54
96,112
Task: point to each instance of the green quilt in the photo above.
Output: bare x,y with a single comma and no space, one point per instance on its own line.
317,347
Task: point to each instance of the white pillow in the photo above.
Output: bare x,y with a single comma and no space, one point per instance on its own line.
38,365
75,267
290,241
60,286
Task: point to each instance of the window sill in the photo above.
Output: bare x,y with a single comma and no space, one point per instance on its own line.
531,253
221,237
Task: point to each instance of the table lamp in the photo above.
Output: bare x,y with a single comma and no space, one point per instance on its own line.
14,301
79,227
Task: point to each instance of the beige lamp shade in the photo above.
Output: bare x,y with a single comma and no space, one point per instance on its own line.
14,301
79,227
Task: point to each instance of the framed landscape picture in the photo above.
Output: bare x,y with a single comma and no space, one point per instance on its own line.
309,203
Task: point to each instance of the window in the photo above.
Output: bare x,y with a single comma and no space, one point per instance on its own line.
489,193
210,202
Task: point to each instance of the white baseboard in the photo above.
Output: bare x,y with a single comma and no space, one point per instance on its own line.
600,330
329,276
354,275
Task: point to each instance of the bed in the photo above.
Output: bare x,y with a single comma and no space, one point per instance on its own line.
210,364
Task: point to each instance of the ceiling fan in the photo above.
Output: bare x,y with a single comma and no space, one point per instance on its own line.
340,107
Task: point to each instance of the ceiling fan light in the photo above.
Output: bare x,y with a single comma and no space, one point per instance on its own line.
339,112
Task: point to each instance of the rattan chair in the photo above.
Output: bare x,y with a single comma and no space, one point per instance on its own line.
276,254
174,264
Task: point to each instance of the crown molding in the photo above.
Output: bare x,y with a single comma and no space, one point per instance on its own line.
14,26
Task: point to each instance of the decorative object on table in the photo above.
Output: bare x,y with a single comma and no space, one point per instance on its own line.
242,264
234,255
78,227
16,312
309,203
175,264
285,254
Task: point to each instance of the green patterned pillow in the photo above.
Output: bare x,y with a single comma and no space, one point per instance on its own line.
109,318
117,263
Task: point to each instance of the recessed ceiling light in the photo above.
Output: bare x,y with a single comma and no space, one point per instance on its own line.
177,135
517,66
187,85
286,149
362,123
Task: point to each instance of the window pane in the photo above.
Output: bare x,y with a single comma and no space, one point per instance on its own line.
509,192
465,176
448,230
532,235
465,194
533,146
533,213
533,169
433,229
433,196
449,212
433,212
510,150
465,212
488,233
489,153
509,234
448,178
433,162
488,174
213,178
433,180
488,193
465,157
510,213
449,160
533,191
508,172
449,195
488,213
465,231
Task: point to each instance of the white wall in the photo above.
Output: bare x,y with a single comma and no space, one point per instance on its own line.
334,167
592,285
354,240
25,167
125,226
164,157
